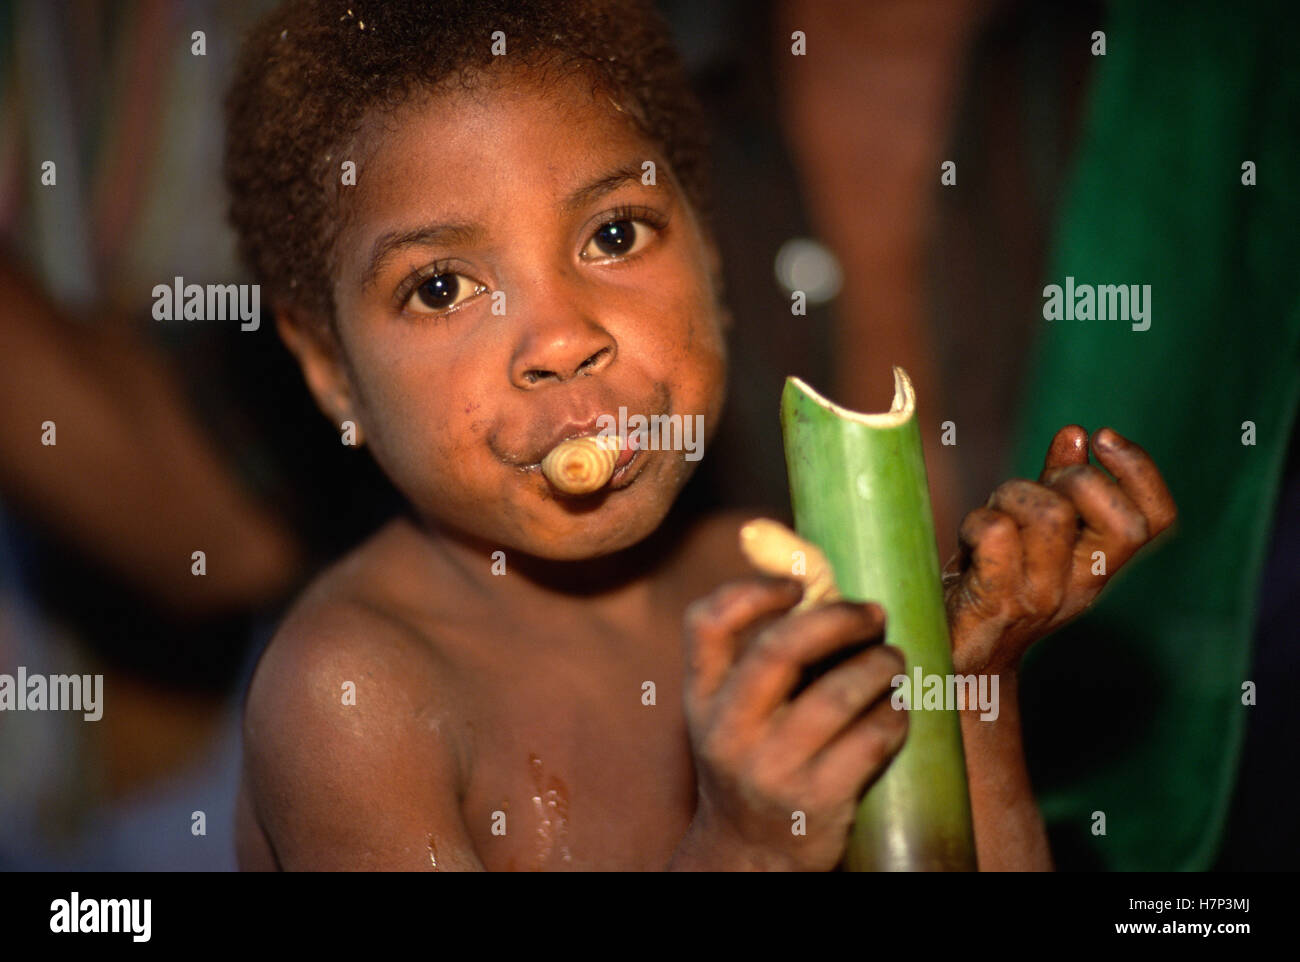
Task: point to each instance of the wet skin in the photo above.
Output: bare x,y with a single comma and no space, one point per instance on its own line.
524,694
459,407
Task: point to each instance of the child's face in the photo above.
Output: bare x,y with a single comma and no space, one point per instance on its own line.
459,406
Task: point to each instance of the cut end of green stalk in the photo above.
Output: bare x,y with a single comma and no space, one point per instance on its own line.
900,411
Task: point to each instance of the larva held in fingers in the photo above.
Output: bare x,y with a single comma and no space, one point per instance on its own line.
770,547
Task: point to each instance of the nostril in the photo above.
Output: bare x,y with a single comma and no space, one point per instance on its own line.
533,376
592,361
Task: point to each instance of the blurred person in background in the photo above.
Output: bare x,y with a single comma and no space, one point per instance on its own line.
169,438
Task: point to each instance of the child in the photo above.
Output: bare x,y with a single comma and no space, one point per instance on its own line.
449,209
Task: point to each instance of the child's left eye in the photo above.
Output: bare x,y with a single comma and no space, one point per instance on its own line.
618,238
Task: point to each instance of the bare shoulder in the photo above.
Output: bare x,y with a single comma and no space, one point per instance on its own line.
346,643
350,756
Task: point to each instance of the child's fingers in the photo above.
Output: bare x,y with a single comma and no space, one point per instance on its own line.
991,541
713,623
858,757
1138,477
1069,446
772,666
1113,521
1049,529
987,596
833,701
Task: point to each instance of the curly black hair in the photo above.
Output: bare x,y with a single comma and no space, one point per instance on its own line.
312,71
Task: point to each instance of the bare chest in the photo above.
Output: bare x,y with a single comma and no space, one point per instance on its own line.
579,772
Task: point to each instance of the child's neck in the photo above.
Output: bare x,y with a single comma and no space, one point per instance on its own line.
634,583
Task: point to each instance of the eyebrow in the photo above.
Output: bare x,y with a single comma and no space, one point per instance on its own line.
602,185
452,234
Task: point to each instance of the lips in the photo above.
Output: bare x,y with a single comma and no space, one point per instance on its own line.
589,427
597,424
625,469
625,455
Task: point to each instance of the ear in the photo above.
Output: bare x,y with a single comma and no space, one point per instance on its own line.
313,342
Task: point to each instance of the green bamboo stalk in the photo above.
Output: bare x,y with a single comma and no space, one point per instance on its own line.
858,489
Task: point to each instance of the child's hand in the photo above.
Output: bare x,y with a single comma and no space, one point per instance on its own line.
1037,554
760,755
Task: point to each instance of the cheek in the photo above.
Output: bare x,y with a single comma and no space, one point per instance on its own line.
713,394
421,414
697,355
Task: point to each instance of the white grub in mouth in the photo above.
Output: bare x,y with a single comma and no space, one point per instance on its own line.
582,465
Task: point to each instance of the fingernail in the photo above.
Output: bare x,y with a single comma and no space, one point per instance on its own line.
1105,438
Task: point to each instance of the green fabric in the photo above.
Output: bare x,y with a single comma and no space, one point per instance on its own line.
1136,710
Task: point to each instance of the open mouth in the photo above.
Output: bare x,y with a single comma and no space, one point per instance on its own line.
625,455
589,454
589,464
629,460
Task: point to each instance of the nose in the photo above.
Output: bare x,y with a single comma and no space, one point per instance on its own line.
561,351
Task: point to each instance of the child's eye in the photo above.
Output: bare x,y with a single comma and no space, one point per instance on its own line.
439,293
621,236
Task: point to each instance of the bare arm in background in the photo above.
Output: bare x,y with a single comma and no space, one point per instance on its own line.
132,480
867,113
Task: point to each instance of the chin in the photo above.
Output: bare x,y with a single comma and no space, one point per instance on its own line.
621,520
580,529
582,536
